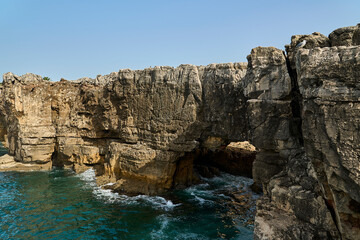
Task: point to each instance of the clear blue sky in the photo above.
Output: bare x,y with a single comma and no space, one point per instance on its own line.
78,38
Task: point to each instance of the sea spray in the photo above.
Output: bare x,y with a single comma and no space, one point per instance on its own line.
109,196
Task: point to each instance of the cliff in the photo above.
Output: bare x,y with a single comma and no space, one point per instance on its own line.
147,130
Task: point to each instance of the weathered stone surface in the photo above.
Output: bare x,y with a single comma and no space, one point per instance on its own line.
29,140
334,78
327,81
267,77
270,125
331,121
268,88
314,40
274,223
104,121
224,116
7,163
346,36
294,195
140,169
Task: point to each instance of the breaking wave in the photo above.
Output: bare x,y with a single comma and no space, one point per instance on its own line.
65,205
112,197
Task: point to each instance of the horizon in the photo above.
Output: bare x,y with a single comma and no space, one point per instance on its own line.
72,40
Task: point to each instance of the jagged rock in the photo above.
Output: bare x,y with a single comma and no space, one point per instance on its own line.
327,81
28,78
293,207
312,41
267,77
346,36
7,163
224,116
266,165
141,169
268,86
274,223
331,121
270,126
168,110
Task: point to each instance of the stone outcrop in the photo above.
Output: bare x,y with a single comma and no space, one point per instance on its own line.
133,126
146,130
7,163
314,40
316,196
331,120
267,87
346,36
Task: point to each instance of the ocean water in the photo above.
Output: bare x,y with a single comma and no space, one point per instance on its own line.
61,204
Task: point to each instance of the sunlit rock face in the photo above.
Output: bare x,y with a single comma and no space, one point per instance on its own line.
321,185
346,36
145,130
134,126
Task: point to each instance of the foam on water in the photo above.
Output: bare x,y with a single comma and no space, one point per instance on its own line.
63,205
203,194
109,196
166,222
213,189
160,233
109,184
190,236
88,176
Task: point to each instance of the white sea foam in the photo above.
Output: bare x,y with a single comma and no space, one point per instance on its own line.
202,194
109,184
160,233
106,194
88,175
155,201
227,180
190,236
110,197
200,200
213,189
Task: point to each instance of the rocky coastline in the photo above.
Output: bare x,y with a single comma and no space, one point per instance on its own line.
149,131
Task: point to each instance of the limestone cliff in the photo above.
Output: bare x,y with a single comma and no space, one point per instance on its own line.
133,126
316,196
145,130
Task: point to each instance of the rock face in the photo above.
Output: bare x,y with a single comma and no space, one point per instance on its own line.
331,121
316,196
268,87
347,36
145,130
134,126
314,40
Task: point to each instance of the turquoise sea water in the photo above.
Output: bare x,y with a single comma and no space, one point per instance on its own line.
63,205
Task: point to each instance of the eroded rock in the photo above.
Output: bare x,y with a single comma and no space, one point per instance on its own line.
331,120
143,131
135,127
346,36
312,41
